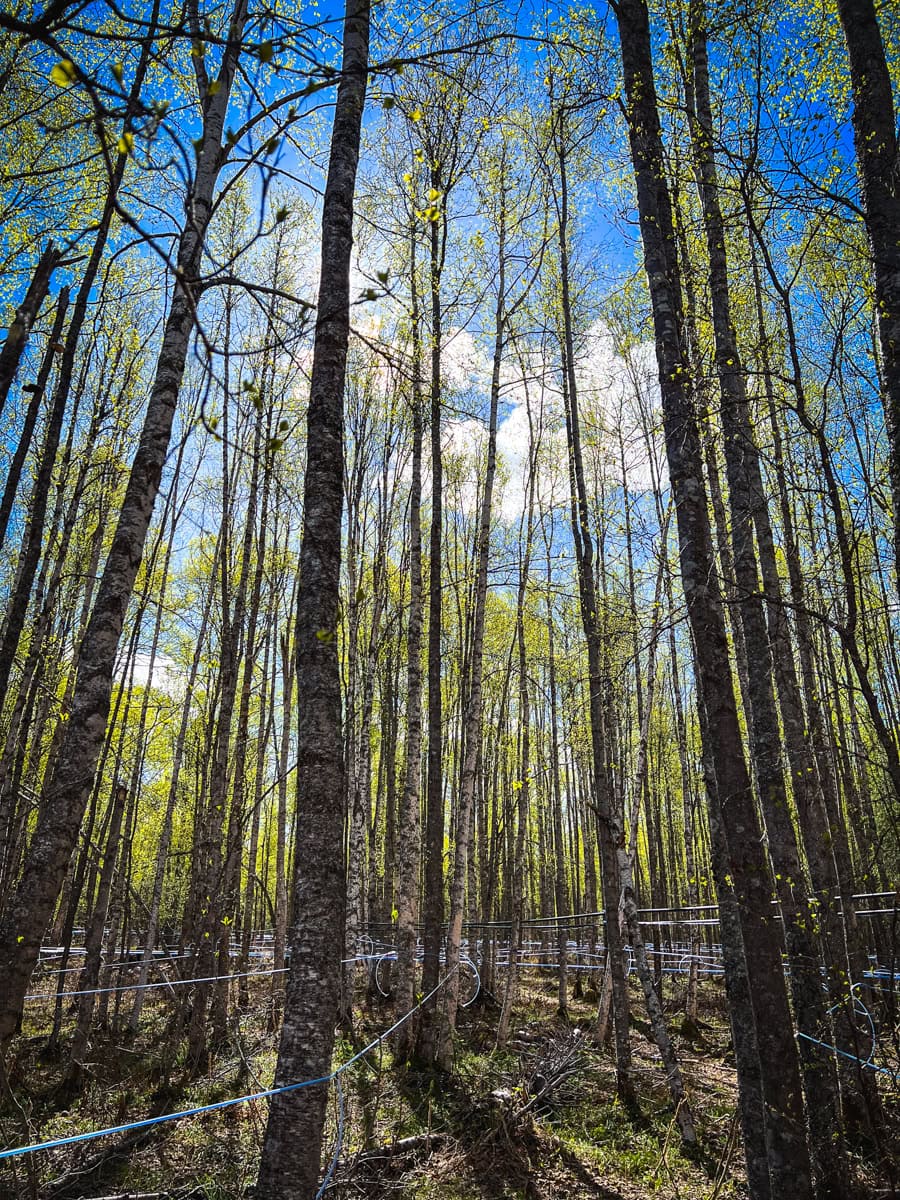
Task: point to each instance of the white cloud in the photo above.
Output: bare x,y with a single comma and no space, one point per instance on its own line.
166,675
465,363
618,393
625,389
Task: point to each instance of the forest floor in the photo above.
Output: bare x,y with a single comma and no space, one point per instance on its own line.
496,1129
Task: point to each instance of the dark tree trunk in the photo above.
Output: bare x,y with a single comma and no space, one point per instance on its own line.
610,834
18,332
93,941
751,1101
68,786
293,1142
472,717
17,462
877,150
410,802
433,903
789,1162
749,509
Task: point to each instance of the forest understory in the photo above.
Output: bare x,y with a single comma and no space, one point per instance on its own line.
537,1120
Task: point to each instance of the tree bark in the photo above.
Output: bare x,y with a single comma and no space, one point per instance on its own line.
472,719
788,1153
292,1148
18,333
433,903
66,790
877,150
407,904
609,832
17,462
746,501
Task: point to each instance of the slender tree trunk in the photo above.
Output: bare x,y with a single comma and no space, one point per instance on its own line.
788,1153
471,733
93,942
433,904
521,792
165,839
609,832
14,474
230,757
288,669
407,906
293,1141
745,499
751,1097
356,816
253,879
66,791
627,859
561,891
877,150
18,333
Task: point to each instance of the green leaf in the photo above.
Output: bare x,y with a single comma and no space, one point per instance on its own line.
64,73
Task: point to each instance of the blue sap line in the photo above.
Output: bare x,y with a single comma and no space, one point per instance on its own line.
74,1139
